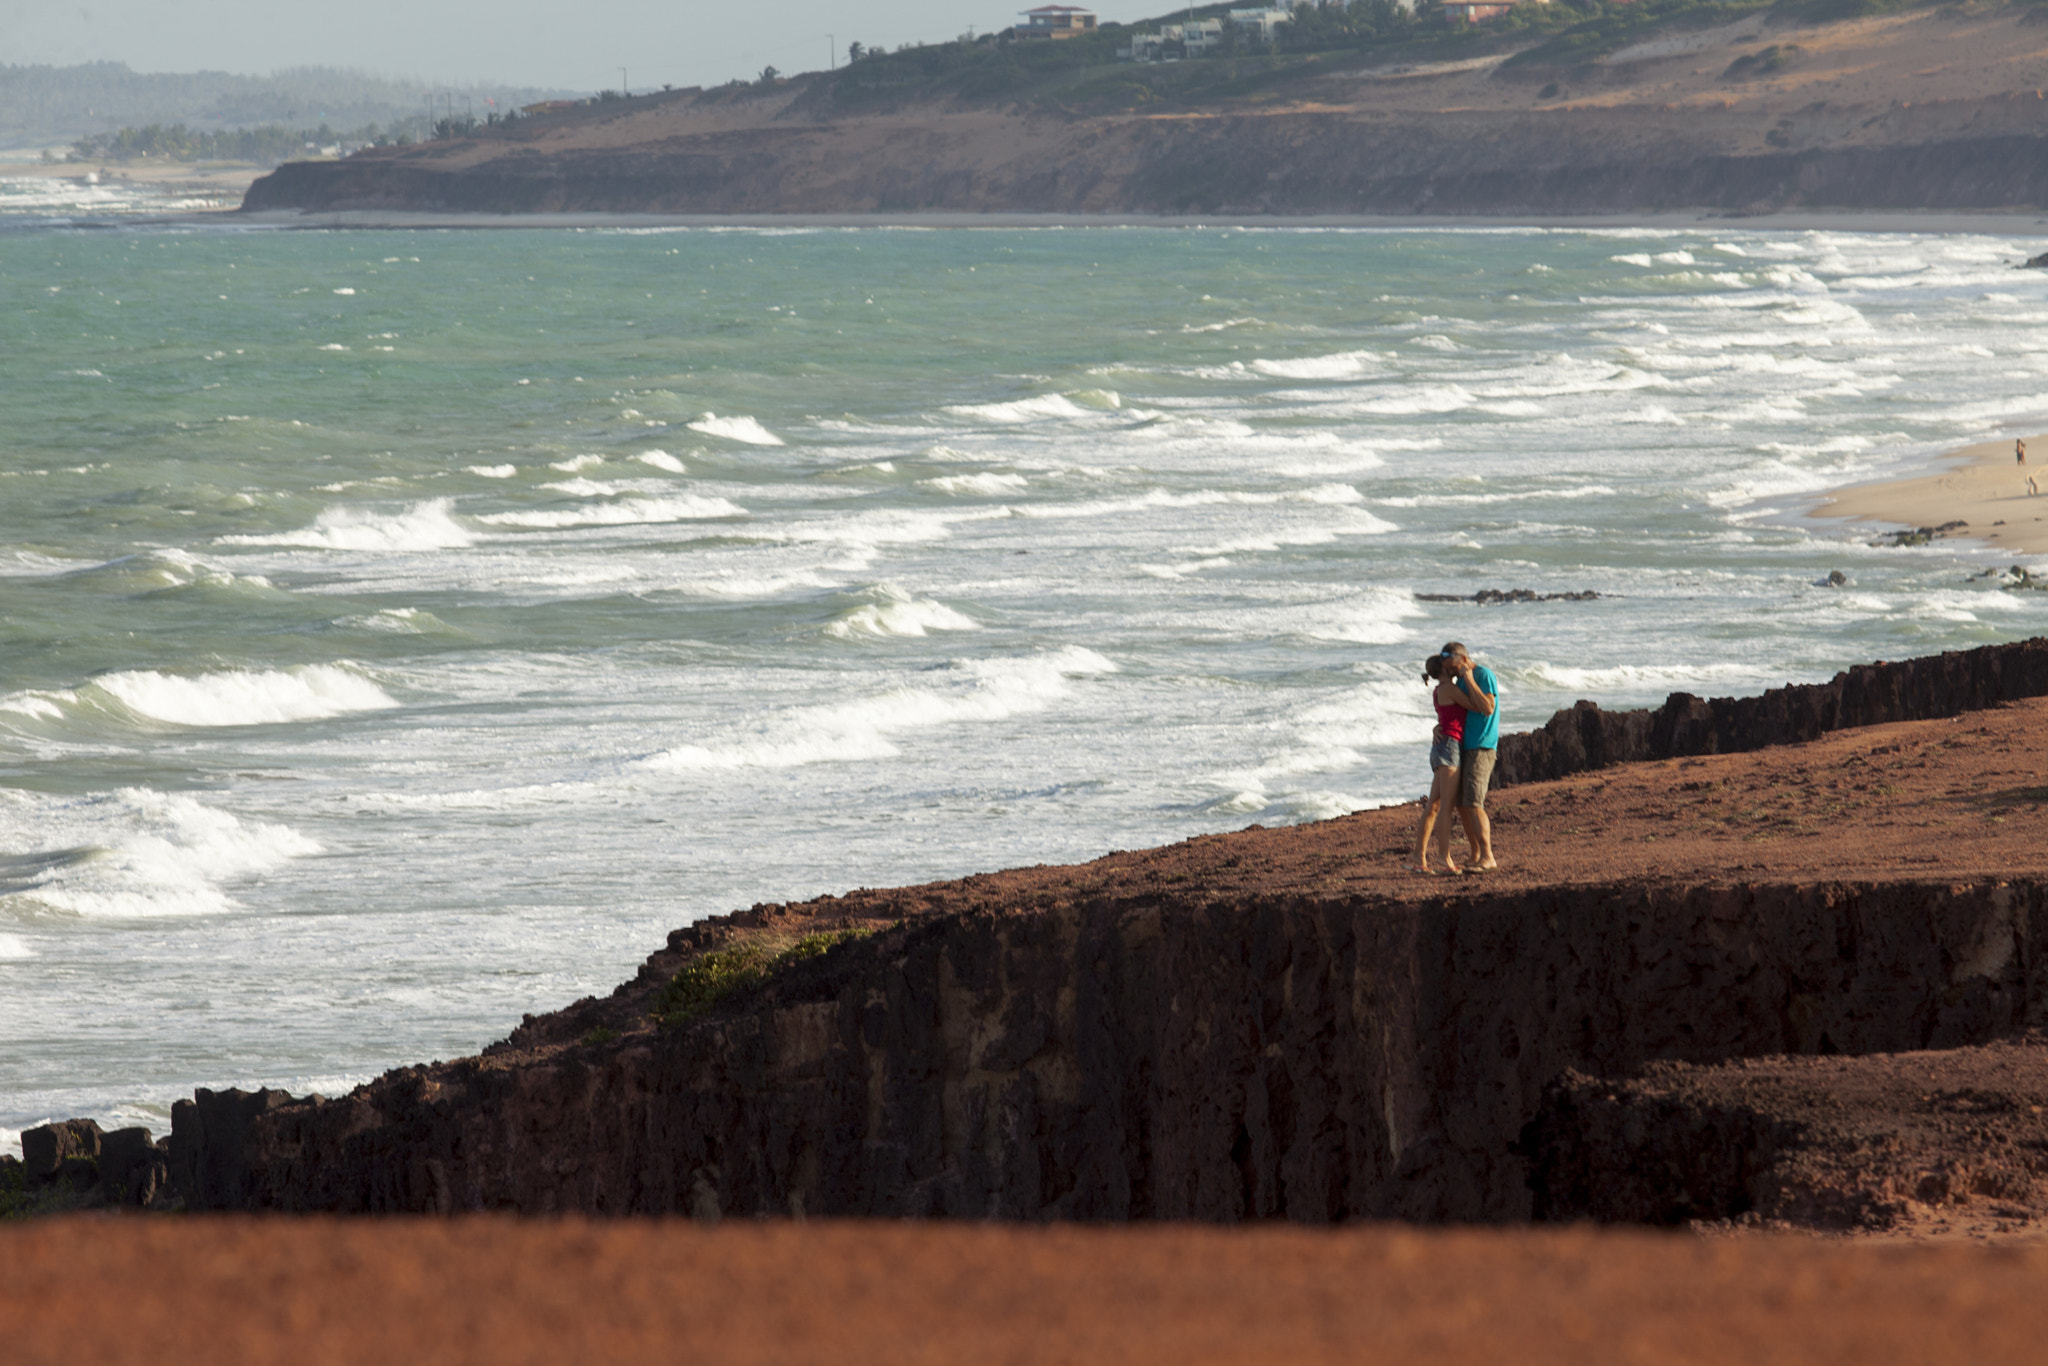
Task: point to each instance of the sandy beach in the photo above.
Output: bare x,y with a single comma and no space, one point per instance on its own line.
225,182
1981,485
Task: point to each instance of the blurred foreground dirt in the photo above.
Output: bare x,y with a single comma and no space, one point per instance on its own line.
482,1289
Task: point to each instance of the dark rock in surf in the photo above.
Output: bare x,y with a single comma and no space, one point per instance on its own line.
64,1152
134,1169
1586,736
1487,597
1919,535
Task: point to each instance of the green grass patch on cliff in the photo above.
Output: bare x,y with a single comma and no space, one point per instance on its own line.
718,976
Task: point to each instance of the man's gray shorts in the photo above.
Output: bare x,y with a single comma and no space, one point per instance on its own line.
1475,775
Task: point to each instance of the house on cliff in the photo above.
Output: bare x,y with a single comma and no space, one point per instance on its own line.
1054,21
1260,25
1478,11
1191,39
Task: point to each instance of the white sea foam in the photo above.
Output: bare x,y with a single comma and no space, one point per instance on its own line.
27,564
1410,400
1775,479
40,706
1018,411
1354,460
745,430
399,621
606,488
575,463
491,471
1373,617
986,485
244,697
897,613
1630,678
1342,365
1431,500
687,507
133,853
423,526
13,948
1325,736
660,460
969,691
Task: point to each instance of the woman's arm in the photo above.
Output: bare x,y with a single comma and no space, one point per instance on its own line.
1451,695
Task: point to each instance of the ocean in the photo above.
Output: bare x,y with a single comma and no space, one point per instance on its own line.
401,631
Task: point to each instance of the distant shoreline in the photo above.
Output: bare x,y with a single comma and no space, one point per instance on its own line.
226,176
1980,485
2031,222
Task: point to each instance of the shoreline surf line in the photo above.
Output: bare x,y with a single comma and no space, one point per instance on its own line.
1980,485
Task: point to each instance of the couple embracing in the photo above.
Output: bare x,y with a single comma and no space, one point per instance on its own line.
1461,755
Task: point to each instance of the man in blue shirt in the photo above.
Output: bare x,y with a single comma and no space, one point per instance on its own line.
1482,741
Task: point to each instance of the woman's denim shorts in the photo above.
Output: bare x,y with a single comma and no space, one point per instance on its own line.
1444,753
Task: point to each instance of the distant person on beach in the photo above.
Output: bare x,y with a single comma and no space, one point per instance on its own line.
2019,452
1445,758
1479,694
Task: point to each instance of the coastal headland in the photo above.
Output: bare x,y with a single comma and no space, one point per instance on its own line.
1287,1024
1754,965
1764,111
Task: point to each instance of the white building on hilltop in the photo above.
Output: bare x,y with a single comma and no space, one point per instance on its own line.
1055,21
1260,24
1194,38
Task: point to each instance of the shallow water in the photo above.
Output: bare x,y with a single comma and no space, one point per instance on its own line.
404,629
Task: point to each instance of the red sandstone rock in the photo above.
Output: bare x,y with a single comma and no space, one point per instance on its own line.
1274,1023
1924,1142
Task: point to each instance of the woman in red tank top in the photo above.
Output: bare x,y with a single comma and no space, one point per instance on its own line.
1444,746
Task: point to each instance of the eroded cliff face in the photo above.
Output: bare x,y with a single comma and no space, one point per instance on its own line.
1151,1057
1307,163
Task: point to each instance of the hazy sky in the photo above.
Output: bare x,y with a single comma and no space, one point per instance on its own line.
580,44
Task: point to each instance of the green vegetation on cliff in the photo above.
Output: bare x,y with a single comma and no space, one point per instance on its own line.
722,974
268,144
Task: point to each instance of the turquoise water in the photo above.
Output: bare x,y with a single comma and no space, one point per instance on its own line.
401,631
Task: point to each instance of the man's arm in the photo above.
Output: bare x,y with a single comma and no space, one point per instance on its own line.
1471,698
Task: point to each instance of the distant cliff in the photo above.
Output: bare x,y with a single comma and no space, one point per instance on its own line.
1245,164
1651,110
